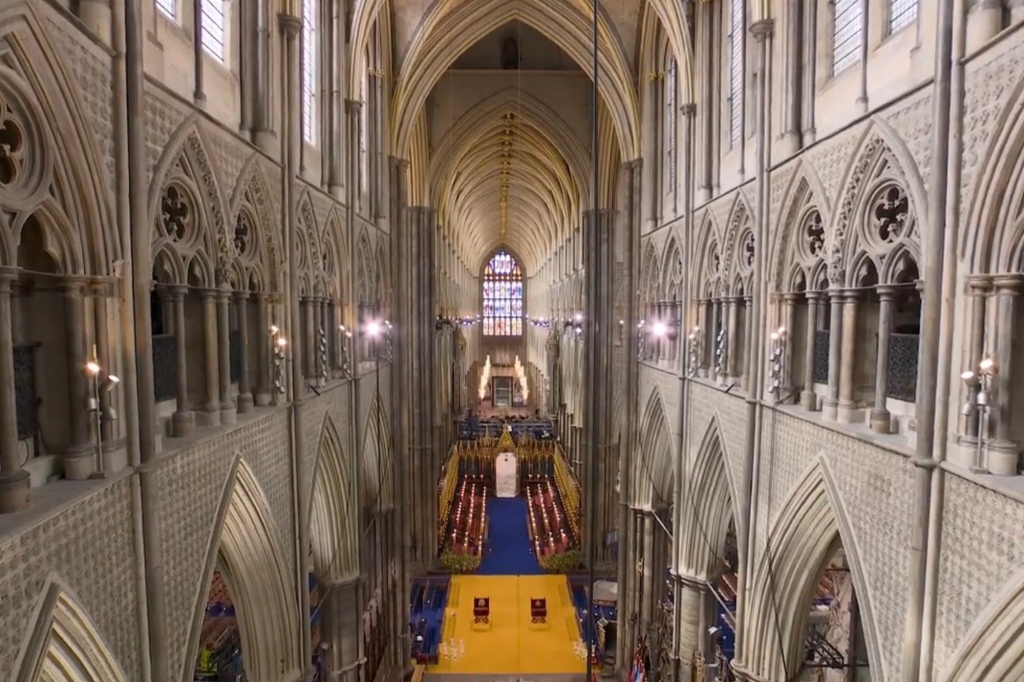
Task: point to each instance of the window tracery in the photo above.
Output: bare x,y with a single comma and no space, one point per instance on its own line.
503,296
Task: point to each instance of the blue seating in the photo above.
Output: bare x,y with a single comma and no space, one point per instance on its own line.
426,617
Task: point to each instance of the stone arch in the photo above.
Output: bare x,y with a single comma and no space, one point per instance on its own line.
80,178
64,644
378,472
655,457
382,283
710,265
805,193
670,19
335,255
880,153
672,269
810,526
739,236
186,163
246,547
333,510
992,650
308,245
711,492
252,192
650,274
566,24
365,277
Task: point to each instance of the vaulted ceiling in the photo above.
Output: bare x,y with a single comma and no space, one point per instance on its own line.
507,150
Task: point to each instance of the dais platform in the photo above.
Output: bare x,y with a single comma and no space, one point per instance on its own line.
510,642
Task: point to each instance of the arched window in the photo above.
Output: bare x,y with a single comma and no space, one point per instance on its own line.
503,296
847,33
902,13
309,48
737,27
214,28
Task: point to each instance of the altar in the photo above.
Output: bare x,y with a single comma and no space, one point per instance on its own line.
506,475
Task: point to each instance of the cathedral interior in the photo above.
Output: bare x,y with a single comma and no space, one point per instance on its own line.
543,340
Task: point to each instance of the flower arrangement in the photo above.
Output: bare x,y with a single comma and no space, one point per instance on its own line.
460,563
562,562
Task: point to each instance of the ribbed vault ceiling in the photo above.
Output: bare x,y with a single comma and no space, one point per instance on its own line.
510,172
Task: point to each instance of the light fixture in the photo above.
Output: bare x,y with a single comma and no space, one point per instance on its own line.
978,406
277,362
102,383
777,356
694,355
373,328
346,358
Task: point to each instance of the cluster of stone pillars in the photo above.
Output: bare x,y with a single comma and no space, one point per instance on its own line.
726,329
77,444
339,628
993,311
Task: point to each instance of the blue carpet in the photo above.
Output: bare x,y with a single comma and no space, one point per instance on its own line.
507,551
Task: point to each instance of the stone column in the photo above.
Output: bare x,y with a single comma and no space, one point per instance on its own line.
978,292
716,325
1004,452
808,398
830,408
210,415
315,312
264,381
704,333
750,349
182,420
340,629
789,303
847,377
80,457
732,316
245,400
690,607
198,54
228,409
649,570
880,419
15,482
109,361
309,307
262,117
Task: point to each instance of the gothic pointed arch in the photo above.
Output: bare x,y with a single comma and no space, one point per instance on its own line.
56,170
994,215
382,271
652,480
254,220
991,650
502,281
803,538
797,239
882,162
333,510
675,23
672,269
334,255
711,490
308,246
739,246
377,470
64,644
365,276
186,206
246,548
566,24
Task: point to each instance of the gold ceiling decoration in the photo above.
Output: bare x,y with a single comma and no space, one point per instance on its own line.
507,137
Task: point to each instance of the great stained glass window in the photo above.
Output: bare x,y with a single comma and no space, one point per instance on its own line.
503,296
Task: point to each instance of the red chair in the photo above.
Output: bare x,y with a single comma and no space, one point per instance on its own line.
539,610
481,609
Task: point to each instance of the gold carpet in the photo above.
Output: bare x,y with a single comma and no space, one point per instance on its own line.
510,643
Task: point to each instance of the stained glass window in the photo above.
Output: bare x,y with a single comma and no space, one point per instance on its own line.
503,296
